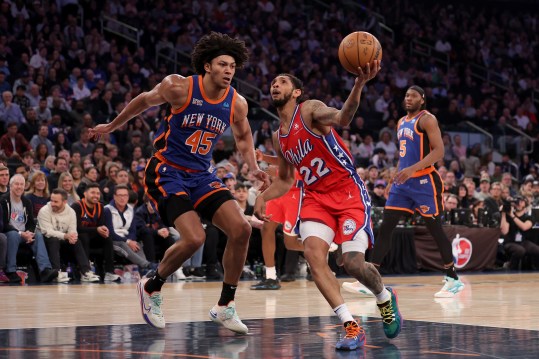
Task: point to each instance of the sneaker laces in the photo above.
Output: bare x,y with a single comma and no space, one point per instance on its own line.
353,330
386,310
156,299
229,313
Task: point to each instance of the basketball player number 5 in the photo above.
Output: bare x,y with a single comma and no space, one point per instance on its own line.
402,151
200,142
320,168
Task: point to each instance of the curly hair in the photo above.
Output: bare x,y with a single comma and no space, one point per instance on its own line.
217,44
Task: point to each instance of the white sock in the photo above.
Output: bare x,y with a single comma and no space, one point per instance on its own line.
343,313
383,296
271,273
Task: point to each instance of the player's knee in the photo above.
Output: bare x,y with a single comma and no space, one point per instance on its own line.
354,267
240,232
194,242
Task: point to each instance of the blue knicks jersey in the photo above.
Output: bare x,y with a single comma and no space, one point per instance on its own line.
414,143
185,139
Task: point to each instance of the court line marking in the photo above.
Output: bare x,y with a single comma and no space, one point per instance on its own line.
112,351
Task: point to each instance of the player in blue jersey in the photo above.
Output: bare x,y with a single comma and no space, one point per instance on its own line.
180,179
417,186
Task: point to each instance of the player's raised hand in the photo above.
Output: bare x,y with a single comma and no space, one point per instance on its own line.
367,73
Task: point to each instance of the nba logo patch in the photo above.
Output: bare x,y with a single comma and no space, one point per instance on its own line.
348,227
462,251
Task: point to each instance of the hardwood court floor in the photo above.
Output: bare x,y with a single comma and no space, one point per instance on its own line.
496,316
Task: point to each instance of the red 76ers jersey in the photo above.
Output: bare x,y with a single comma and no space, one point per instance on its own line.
323,162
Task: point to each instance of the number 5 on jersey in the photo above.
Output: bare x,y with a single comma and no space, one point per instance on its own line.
200,142
402,146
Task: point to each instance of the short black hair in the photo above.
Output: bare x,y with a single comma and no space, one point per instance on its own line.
91,185
61,192
216,44
297,83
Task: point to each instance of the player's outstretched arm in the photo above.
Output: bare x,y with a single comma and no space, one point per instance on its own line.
172,89
330,116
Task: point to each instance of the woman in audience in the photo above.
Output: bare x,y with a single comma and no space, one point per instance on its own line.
65,182
38,192
76,173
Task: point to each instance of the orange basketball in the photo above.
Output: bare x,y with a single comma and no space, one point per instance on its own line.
358,49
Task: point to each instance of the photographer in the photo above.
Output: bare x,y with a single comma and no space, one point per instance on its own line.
516,225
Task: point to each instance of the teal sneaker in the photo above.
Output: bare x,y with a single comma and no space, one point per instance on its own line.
450,288
391,316
354,338
267,284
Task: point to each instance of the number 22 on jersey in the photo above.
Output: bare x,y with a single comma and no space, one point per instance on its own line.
200,142
318,167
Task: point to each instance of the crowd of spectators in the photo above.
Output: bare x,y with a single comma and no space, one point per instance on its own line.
60,75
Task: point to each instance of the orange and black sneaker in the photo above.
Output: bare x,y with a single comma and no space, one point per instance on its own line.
354,338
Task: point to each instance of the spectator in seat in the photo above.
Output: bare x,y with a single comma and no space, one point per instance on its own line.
93,232
58,223
516,225
13,142
119,218
38,192
153,233
60,166
20,227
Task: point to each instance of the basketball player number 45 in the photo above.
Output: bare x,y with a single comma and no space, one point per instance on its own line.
200,142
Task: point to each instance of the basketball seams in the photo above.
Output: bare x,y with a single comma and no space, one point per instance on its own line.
343,52
373,48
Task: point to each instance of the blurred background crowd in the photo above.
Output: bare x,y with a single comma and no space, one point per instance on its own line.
68,65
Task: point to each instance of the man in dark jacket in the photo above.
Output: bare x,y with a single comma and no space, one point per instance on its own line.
93,233
153,233
20,227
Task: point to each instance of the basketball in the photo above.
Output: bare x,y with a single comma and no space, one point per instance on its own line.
358,49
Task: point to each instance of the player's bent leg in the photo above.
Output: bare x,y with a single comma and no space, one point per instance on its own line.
292,243
366,273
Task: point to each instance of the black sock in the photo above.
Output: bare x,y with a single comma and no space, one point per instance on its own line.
227,294
155,283
450,272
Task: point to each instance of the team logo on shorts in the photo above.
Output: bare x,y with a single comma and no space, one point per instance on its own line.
216,184
462,251
349,226
287,226
424,208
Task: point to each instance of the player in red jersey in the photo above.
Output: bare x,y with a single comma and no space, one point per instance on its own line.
336,206
283,210
180,179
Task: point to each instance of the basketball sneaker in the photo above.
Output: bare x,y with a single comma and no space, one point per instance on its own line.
357,288
267,284
89,277
228,318
391,316
354,338
150,305
450,288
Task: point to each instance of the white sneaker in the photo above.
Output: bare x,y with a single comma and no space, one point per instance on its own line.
89,277
62,277
150,305
450,288
179,275
357,288
228,318
111,277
